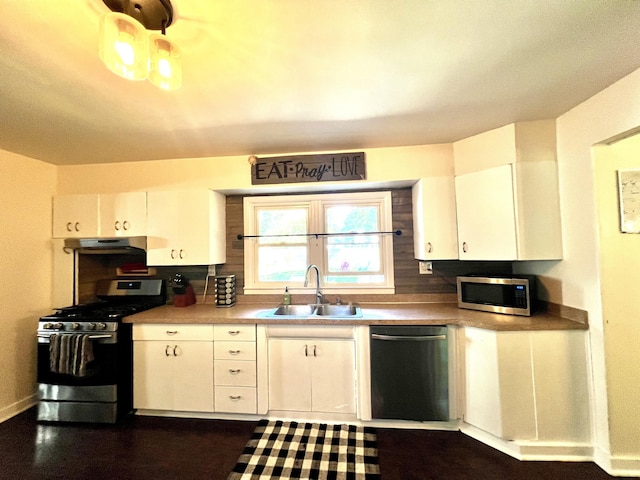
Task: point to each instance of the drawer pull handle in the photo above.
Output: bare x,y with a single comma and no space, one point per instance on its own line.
234,371
234,352
235,397
172,332
166,350
234,332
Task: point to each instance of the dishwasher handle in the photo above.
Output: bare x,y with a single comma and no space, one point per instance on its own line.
407,338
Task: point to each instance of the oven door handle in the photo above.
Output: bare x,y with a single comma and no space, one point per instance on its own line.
92,337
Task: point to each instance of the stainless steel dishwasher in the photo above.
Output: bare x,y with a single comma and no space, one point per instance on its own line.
409,373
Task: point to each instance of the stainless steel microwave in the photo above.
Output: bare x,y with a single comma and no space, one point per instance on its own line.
515,295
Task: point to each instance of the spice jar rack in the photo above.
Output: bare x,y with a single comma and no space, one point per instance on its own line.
225,290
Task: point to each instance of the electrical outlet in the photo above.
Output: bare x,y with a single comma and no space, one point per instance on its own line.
425,268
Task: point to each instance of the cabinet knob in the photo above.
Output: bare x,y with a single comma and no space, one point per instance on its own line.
69,226
126,225
181,254
173,254
77,226
116,225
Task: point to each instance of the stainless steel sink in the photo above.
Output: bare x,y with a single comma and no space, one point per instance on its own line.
294,310
314,311
337,310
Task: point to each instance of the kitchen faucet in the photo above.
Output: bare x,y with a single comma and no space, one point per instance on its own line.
319,296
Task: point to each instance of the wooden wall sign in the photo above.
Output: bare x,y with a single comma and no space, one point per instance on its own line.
328,167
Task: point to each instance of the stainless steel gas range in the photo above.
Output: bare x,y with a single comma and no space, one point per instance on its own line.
85,353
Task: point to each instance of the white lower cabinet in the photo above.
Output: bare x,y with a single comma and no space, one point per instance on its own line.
173,367
235,372
310,374
527,386
195,368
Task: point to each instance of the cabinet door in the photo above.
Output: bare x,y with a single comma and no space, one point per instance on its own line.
499,383
173,376
123,214
486,215
185,227
435,234
333,383
289,376
152,375
75,216
193,376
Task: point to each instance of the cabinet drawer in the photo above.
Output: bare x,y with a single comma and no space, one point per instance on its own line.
236,373
235,351
234,332
236,399
173,332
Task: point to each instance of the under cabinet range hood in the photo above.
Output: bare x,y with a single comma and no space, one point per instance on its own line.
127,245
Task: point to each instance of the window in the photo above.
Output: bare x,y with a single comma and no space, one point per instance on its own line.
288,233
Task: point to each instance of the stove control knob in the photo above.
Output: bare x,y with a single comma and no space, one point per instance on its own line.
58,326
102,326
47,326
91,326
75,326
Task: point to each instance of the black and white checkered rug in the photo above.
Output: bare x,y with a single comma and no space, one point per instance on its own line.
292,450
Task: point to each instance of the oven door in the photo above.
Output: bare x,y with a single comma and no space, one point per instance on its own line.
92,397
103,370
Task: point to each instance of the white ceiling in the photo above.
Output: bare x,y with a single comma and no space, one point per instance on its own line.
279,76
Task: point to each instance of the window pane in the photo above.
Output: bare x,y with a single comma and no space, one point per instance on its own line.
282,264
354,279
355,255
346,219
282,222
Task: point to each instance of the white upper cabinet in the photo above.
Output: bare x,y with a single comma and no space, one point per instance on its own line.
435,235
76,216
507,197
186,227
123,214
104,215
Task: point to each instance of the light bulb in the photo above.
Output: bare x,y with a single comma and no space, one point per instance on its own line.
165,69
124,46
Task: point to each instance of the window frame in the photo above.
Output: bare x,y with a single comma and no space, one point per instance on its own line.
317,247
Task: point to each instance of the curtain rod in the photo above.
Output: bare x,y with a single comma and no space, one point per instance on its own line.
395,232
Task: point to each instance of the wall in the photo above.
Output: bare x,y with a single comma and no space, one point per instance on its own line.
384,165
620,279
576,281
26,187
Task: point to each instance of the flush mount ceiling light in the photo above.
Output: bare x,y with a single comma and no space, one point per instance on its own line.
129,51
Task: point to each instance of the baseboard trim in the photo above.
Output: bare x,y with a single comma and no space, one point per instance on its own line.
18,407
536,451
617,466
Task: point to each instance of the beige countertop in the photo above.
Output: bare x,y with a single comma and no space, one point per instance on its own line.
555,317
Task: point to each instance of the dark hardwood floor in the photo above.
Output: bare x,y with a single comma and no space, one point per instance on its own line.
149,448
